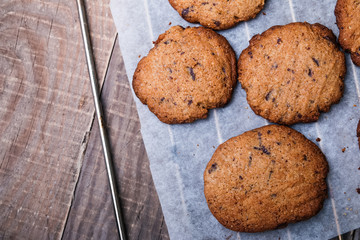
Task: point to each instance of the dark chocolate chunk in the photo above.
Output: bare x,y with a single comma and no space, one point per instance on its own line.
217,23
191,71
310,73
250,160
268,96
316,61
212,168
185,12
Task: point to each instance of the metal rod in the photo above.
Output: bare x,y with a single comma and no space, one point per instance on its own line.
100,118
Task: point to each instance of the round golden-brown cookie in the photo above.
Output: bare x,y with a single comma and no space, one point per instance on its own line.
291,73
347,14
186,73
217,14
265,179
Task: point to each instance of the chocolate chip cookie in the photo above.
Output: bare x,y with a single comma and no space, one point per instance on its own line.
292,73
265,179
217,14
186,73
347,14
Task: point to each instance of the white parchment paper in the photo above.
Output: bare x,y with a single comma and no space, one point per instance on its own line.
179,153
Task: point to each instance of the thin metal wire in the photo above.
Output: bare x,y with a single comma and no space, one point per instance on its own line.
100,118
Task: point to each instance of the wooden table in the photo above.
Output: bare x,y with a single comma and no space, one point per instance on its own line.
52,173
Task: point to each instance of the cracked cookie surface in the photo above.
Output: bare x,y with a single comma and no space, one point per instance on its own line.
292,73
217,14
347,14
187,72
265,179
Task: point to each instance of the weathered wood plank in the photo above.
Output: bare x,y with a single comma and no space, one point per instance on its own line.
91,214
46,110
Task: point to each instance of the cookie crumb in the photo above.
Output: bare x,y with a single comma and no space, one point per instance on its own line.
228,237
169,23
355,105
264,13
139,56
343,150
358,190
318,139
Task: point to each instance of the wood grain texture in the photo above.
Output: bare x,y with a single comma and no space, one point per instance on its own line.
46,110
91,214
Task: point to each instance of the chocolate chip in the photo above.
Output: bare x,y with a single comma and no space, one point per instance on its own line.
275,66
217,23
358,190
223,69
273,195
191,71
185,12
263,149
279,41
271,172
268,96
310,73
299,115
182,53
269,131
316,61
240,177
250,53
304,157
250,160
167,42
212,168
162,99
190,102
